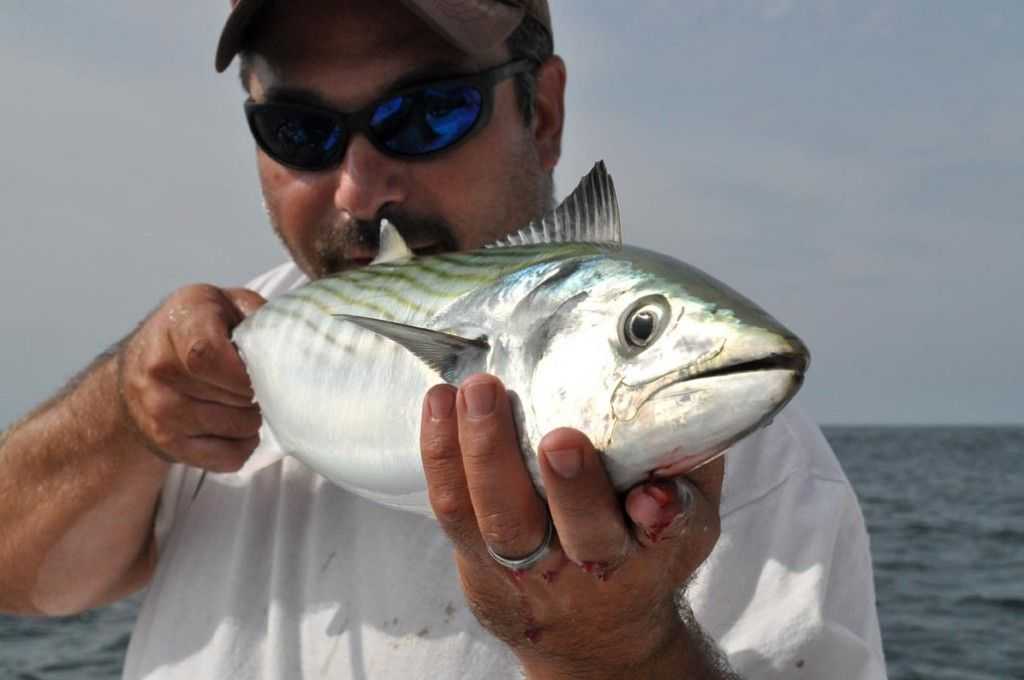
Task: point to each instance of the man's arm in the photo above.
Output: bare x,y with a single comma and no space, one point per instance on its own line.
80,477
77,495
603,602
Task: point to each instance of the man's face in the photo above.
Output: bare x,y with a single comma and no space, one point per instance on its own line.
347,55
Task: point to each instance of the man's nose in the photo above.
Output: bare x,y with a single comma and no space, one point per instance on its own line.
368,180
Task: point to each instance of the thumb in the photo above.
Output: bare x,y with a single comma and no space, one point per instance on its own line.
247,301
676,517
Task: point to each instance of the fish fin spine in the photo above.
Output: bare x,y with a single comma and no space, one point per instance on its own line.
590,214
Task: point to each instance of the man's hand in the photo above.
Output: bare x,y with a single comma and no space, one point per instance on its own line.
183,386
602,603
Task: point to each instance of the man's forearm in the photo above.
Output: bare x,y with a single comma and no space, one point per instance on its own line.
688,654
77,496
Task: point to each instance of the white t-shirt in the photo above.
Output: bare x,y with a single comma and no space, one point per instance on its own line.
275,573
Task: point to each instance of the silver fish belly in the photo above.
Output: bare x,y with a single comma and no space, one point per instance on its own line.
659,364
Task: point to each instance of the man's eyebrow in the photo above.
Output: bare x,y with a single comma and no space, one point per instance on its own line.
423,73
436,70
296,95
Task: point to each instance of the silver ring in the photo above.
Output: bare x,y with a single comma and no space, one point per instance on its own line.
524,563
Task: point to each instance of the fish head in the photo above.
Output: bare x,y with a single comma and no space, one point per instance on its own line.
662,366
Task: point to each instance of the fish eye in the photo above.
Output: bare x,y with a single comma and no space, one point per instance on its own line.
643,322
641,327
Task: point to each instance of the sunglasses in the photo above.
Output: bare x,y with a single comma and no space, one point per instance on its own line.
414,122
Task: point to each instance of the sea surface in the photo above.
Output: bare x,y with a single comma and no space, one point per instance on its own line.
945,510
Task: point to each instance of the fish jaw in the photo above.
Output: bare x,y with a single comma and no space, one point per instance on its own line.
685,418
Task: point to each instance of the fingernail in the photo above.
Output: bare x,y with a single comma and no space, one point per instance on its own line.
566,462
659,495
479,399
440,402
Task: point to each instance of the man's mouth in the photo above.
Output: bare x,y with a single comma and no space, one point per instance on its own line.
362,259
429,249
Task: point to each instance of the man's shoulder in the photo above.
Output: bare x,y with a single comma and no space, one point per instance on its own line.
279,280
792,448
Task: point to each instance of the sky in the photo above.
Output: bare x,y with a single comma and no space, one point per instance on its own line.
856,167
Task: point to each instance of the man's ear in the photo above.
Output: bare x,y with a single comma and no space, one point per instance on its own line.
549,111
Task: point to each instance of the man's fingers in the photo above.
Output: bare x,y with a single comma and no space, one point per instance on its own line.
171,419
659,510
225,421
245,300
182,383
216,361
218,454
204,348
677,517
582,501
201,391
510,514
442,465
201,338
653,505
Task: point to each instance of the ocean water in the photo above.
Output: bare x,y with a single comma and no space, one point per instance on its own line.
945,510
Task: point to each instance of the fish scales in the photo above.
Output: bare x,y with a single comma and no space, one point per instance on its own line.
355,377
659,364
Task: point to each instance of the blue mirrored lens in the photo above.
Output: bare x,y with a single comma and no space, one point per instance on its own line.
391,116
427,120
389,111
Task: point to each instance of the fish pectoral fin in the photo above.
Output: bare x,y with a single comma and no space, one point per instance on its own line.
445,353
393,248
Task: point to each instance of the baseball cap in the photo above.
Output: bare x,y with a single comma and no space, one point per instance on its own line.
471,25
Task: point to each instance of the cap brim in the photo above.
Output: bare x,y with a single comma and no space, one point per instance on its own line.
234,32
473,26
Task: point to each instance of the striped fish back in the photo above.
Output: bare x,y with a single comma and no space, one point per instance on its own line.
414,291
310,368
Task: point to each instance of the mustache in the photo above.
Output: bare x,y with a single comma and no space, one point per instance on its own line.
348,238
366,233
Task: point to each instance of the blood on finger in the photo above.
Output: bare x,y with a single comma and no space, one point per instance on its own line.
599,569
533,634
655,533
551,574
660,495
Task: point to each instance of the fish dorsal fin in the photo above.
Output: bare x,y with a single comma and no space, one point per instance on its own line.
392,246
449,355
590,214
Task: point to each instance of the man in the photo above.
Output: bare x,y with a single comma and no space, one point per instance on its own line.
451,128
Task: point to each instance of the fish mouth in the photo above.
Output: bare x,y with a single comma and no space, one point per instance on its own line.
794,362
627,399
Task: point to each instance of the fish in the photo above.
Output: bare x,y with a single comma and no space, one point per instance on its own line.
659,364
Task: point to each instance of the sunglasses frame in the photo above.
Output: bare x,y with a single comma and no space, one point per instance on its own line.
357,122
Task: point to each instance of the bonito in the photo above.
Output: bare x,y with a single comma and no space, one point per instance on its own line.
659,364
